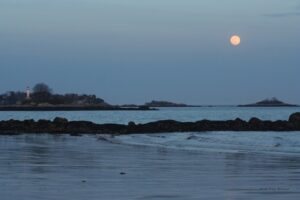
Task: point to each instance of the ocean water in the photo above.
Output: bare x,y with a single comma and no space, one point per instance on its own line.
199,165
180,114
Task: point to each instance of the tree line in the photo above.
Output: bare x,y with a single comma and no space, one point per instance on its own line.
43,94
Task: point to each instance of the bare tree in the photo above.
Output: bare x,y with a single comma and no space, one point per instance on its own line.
41,93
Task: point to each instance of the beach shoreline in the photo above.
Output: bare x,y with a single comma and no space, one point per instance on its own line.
63,167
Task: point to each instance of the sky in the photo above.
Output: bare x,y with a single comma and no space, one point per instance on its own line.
135,51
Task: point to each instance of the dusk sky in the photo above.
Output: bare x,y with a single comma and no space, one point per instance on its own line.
133,51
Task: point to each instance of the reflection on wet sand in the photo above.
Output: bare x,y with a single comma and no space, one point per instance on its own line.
65,167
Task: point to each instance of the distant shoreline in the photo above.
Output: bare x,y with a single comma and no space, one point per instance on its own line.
274,106
123,108
73,108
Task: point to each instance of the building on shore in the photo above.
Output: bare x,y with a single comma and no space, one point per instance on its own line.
27,93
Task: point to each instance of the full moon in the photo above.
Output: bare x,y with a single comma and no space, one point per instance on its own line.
235,40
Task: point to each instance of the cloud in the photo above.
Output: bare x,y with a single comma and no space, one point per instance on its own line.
295,12
283,14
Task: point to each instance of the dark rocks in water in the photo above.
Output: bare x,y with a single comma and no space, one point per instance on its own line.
256,123
239,124
295,118
131,124
75,134
43,122
192,137
277,145
76,128
60,120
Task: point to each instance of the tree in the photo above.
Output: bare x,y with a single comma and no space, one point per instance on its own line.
42,88
41,93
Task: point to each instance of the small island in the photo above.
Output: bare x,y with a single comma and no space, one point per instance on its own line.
157,104
42,98
273,102
160,104
164,104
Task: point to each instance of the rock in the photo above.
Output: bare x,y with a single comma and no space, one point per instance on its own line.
75,134
28,121
295,118
122,173
192,137
280,125
255,123
60,120
43,121
238,124
131,124
75,128
277,145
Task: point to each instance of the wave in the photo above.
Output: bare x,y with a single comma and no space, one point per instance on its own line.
226,142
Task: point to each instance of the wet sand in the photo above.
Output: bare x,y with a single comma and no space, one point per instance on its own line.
65,167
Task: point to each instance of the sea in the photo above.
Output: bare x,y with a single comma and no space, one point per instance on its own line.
197,165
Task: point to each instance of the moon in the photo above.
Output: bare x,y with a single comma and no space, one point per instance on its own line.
235,40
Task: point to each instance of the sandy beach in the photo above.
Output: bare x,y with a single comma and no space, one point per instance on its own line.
65,167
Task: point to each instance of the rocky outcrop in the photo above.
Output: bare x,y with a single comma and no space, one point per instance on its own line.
164,104
63,126
295,118
273,102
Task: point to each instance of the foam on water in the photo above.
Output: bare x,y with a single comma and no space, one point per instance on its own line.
251,165
270,142
65,167
235,142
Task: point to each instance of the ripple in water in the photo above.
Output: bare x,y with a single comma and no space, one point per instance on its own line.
239,142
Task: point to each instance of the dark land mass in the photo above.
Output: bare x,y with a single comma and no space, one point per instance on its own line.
164,104
269,103
63,126
43,99
167,104
73,108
